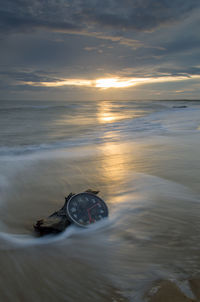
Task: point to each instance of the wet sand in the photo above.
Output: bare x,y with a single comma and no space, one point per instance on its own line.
168,291
147,171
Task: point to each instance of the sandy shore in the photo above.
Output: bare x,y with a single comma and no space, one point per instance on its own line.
168,291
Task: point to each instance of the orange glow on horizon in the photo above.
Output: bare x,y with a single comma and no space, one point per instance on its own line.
112,82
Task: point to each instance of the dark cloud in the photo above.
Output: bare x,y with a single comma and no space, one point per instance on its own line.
28,75
181,71
25,16
80,15
138,14
102,38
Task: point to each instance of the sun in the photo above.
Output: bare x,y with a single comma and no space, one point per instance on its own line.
114,83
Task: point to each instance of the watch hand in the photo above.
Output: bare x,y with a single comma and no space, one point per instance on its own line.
88,210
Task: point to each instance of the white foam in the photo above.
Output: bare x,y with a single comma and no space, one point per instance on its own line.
15,241
168,121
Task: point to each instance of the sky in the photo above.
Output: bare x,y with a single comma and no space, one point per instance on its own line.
99,49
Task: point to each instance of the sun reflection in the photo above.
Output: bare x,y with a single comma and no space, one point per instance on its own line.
113,152
107,114
113,161
107,118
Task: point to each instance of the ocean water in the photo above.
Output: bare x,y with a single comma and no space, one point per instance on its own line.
142,156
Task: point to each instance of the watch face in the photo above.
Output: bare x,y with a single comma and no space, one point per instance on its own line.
86,208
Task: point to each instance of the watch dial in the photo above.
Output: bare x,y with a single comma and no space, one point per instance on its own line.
86,208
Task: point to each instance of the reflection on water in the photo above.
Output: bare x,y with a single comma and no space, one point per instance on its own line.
113,153
109,112
105,113
153,228
114,163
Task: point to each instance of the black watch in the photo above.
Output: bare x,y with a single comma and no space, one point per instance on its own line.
86,208
81,209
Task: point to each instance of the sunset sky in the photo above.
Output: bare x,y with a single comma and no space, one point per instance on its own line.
96,49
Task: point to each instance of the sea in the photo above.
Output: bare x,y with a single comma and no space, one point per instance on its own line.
143,157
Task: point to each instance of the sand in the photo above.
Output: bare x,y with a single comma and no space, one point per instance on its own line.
168,291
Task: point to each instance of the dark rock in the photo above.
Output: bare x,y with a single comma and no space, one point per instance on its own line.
181,106
58,221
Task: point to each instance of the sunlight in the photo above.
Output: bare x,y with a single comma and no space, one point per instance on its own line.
112,82
106,118
61,82
113,160
106,114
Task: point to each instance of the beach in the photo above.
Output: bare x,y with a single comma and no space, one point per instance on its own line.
143,156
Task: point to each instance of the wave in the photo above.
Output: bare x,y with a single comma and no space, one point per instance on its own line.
166,122
39,107
32,149
13,241
150,200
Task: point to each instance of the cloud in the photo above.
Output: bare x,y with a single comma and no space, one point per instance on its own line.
27,75
64,43
111,82
10,22
91,15
136,15
124,78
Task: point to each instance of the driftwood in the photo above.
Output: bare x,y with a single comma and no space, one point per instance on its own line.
58,221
